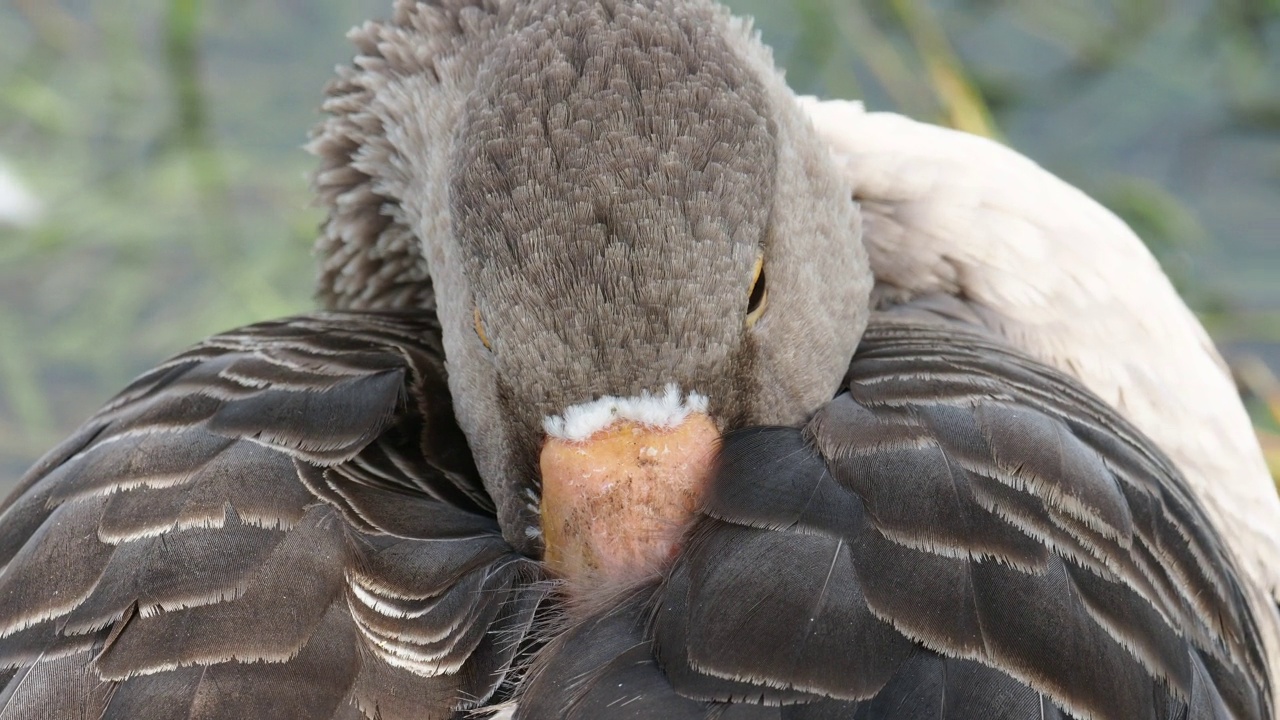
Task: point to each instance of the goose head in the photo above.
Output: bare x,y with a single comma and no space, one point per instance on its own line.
632,237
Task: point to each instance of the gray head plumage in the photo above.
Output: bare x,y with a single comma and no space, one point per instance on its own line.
594,182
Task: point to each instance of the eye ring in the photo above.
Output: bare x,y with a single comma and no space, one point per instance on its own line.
758,298
480,333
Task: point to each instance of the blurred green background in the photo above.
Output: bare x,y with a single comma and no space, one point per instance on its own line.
159,141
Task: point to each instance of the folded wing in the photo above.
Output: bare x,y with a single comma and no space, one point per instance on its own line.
961,533
282,522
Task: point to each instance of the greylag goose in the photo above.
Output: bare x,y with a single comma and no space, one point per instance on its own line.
647,390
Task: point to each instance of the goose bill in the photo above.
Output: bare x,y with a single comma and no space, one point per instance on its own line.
614,505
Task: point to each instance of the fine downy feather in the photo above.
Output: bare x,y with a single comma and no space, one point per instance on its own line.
963,533
281,522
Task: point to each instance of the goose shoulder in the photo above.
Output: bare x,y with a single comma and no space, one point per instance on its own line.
1066,281
284,511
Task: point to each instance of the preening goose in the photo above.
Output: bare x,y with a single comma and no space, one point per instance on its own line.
583,433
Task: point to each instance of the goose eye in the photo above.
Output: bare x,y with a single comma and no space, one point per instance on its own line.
480,333
759,296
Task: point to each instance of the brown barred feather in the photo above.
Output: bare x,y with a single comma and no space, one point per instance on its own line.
262,528
962,533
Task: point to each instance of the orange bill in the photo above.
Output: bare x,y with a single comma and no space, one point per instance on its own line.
614,506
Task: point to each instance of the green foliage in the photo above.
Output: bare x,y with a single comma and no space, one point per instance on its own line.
164,140
163,137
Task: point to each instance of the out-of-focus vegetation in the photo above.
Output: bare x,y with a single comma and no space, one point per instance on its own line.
162,138
1262,396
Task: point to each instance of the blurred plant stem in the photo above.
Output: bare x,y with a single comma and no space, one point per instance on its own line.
907,54
1261,389
960,99
192,136
191,115
883,60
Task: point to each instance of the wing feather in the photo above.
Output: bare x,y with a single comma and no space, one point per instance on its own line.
281,522
962,533
58,687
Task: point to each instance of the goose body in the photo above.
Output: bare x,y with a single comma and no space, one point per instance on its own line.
1027,494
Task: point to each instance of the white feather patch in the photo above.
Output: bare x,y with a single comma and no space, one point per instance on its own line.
666,410
18,207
